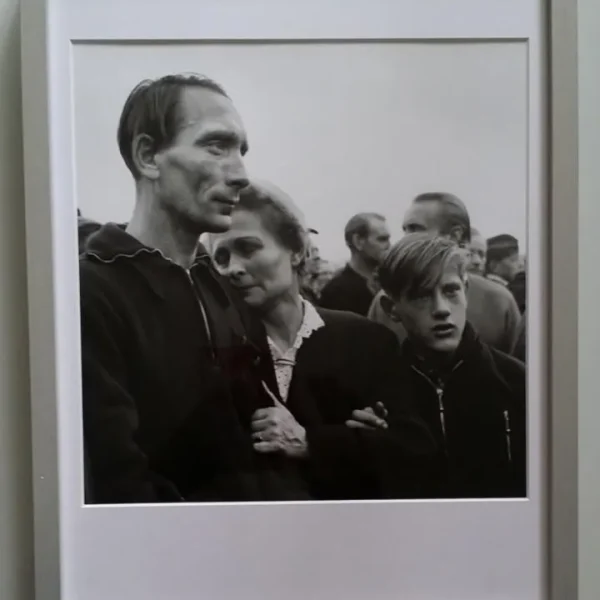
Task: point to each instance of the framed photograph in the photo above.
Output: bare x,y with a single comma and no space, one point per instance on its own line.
293,277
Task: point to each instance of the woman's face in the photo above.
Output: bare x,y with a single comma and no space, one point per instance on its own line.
255,263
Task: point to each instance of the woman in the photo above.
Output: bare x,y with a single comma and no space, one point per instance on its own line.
331,375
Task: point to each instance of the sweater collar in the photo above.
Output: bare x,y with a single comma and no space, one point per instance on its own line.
112,242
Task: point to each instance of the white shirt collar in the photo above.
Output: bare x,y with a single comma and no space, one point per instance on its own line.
284,362
311,321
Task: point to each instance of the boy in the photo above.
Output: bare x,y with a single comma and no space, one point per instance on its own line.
472,396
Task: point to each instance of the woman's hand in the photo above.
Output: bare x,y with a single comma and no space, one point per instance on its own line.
369,417
275,429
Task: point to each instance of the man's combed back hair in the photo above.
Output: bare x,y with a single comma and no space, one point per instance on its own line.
454,213
152,108
279,215
416,263
360,225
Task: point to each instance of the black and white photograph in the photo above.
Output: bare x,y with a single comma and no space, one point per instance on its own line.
295,307
302,272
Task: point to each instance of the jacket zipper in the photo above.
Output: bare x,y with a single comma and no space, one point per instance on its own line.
204,315
508,432
439,390
440,395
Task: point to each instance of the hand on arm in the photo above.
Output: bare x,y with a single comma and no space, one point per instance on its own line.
369,417
275,429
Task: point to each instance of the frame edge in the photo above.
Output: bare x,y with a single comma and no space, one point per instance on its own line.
36,106
563,323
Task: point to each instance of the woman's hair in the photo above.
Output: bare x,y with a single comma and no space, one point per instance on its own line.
417,262
279,215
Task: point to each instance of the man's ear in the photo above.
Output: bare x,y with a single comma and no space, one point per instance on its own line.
358,242
389,307
143,153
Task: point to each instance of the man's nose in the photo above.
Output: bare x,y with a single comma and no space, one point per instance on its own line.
237,176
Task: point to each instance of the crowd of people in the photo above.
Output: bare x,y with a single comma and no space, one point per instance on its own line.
224,360
497,278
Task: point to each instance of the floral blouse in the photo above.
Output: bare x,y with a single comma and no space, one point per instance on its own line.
284,362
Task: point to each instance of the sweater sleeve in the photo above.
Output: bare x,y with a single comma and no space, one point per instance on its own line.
117,469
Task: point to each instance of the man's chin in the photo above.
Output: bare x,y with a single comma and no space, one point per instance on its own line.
218,224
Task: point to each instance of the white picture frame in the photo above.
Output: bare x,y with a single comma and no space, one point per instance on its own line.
426,550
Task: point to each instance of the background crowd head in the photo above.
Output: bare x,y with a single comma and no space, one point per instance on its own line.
503,258
478,252
313,253
368,237
439,213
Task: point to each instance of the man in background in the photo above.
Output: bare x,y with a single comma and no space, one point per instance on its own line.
311,268
505,266
492,310
503,260
478,253
353,288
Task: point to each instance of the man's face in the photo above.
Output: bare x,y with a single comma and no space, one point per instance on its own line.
478,250
377,242
202,172
423,217
435,318
507,268
313,258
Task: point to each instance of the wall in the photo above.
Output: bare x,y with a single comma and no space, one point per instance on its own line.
16,555
16,560
589,291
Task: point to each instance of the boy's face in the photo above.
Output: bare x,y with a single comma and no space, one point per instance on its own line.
435,318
